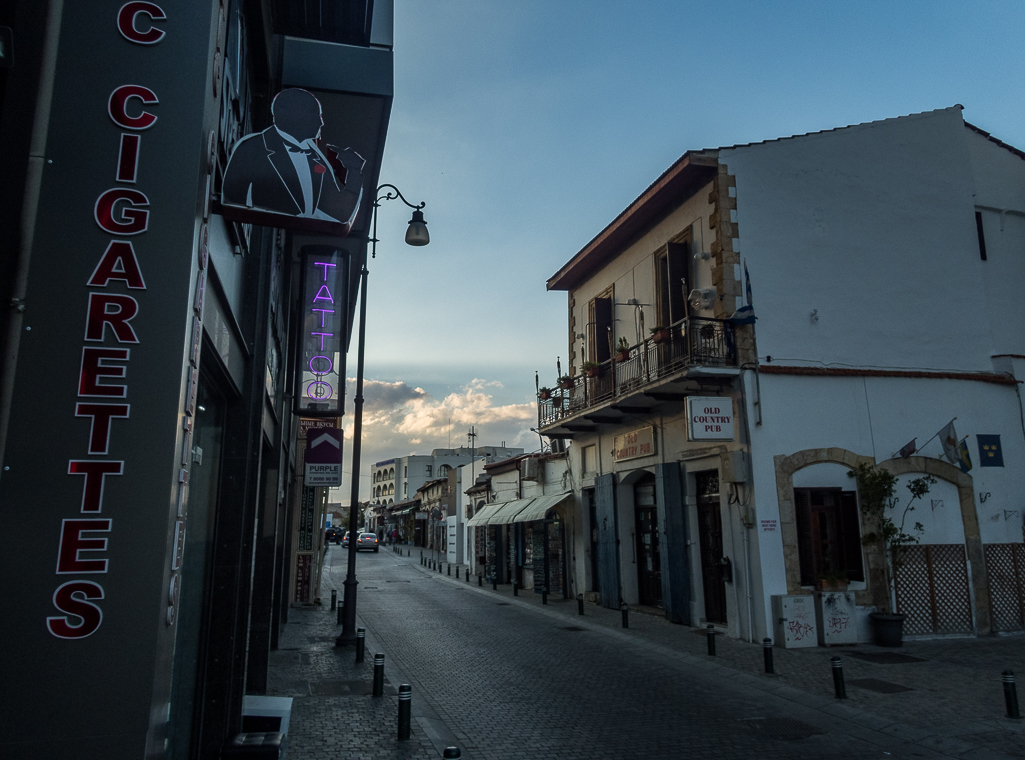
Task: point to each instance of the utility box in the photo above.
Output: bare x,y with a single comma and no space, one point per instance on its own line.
834,613
733,467
794,621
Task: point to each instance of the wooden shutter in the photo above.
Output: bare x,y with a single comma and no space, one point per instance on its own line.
805,542
678,255
672,527
608,539
850,521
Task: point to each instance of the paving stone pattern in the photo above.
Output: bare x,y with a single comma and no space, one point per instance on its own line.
506,678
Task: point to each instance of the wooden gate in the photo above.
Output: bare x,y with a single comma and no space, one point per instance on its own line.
932,589
1005,564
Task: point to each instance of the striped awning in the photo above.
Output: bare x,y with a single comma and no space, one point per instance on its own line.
538,508
507,514
481,518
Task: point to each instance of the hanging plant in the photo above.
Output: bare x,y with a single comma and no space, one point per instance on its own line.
566,382
661,334
544,393
591,369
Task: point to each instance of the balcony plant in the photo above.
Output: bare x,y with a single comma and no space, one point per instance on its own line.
566,382
876,492
590,369
622,350
660,334
544,393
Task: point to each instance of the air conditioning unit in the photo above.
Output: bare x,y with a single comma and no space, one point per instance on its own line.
702,298
530,469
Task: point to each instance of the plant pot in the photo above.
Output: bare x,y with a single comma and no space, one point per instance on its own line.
623,356
661,336
593,372
544,395
567,386
887,629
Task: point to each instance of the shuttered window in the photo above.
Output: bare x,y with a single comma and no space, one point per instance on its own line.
828,534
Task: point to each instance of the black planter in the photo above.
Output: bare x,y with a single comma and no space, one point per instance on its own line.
888,630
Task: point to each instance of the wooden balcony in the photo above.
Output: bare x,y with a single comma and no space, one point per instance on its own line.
694,349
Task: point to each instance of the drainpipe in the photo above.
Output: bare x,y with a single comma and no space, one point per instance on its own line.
29,209
748,524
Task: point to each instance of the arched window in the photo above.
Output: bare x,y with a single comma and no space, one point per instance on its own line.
391,489
443,471
391,473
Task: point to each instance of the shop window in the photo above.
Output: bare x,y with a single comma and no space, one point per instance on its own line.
828,534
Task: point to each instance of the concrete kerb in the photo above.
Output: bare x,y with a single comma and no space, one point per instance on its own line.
867,726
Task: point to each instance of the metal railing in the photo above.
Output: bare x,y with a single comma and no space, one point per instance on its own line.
687,343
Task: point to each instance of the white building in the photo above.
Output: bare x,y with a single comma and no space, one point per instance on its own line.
397,479
887,261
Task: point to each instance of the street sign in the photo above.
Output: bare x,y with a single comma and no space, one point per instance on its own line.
324,457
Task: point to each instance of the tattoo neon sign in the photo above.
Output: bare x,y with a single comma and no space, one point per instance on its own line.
320,374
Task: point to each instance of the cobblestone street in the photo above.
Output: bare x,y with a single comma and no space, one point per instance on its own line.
503,677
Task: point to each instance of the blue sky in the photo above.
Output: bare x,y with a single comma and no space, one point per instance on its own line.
528,126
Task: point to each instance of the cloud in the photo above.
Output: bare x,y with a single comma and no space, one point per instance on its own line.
399,419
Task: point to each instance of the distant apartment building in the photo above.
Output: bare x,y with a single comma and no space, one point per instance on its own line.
398,479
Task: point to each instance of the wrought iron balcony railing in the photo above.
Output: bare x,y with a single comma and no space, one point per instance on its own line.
688,343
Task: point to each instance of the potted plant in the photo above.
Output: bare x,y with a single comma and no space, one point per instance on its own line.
832,581
544,393
876,489
660,334
566,382
622,350
590,369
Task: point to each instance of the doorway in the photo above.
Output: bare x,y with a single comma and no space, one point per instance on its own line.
649,565
710,537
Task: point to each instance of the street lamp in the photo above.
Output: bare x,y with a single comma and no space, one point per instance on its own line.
417,235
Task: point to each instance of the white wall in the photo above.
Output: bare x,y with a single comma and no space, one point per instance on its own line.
874,226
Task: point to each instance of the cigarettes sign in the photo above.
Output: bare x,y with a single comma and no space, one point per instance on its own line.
711,418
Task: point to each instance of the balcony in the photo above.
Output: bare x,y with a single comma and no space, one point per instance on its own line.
692,349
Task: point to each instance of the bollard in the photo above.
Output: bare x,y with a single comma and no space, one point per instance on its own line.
457,572
544,595
767,654
838,684
580,604
361,643
334,598
494,582
405,703
451,752
480,579
626,614
516,589
421,554
449,570
378,675
710,630
340,608
1010,695
421,561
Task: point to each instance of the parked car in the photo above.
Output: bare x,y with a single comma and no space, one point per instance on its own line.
345,540
368,541
333,534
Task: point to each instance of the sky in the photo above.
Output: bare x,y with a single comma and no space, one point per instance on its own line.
527,126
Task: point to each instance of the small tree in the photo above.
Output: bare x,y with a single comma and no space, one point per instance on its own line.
876,491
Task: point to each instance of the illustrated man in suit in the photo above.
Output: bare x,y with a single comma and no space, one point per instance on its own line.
284,170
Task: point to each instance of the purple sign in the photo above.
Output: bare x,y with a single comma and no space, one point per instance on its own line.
324,446
321,356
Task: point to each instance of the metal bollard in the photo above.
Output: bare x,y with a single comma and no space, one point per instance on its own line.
340,608
378,675
494,582
626,614
334,598
767,654
361,643
838,684
451,752
516,588
457,572
1010,694
580,604
480,579
449,570
405,705
544,595
710,632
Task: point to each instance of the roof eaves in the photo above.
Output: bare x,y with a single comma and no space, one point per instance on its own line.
1001,143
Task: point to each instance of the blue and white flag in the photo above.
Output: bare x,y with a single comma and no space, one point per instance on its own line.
745,315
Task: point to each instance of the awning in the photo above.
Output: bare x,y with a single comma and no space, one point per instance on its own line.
405,511
507,514
481,518
539,507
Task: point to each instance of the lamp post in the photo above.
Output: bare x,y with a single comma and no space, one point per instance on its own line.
416,235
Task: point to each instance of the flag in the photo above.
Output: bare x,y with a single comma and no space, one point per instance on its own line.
909,448
747,285
964,460
745,315
990,453
948,439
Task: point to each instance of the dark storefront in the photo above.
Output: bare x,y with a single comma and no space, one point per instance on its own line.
148,440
